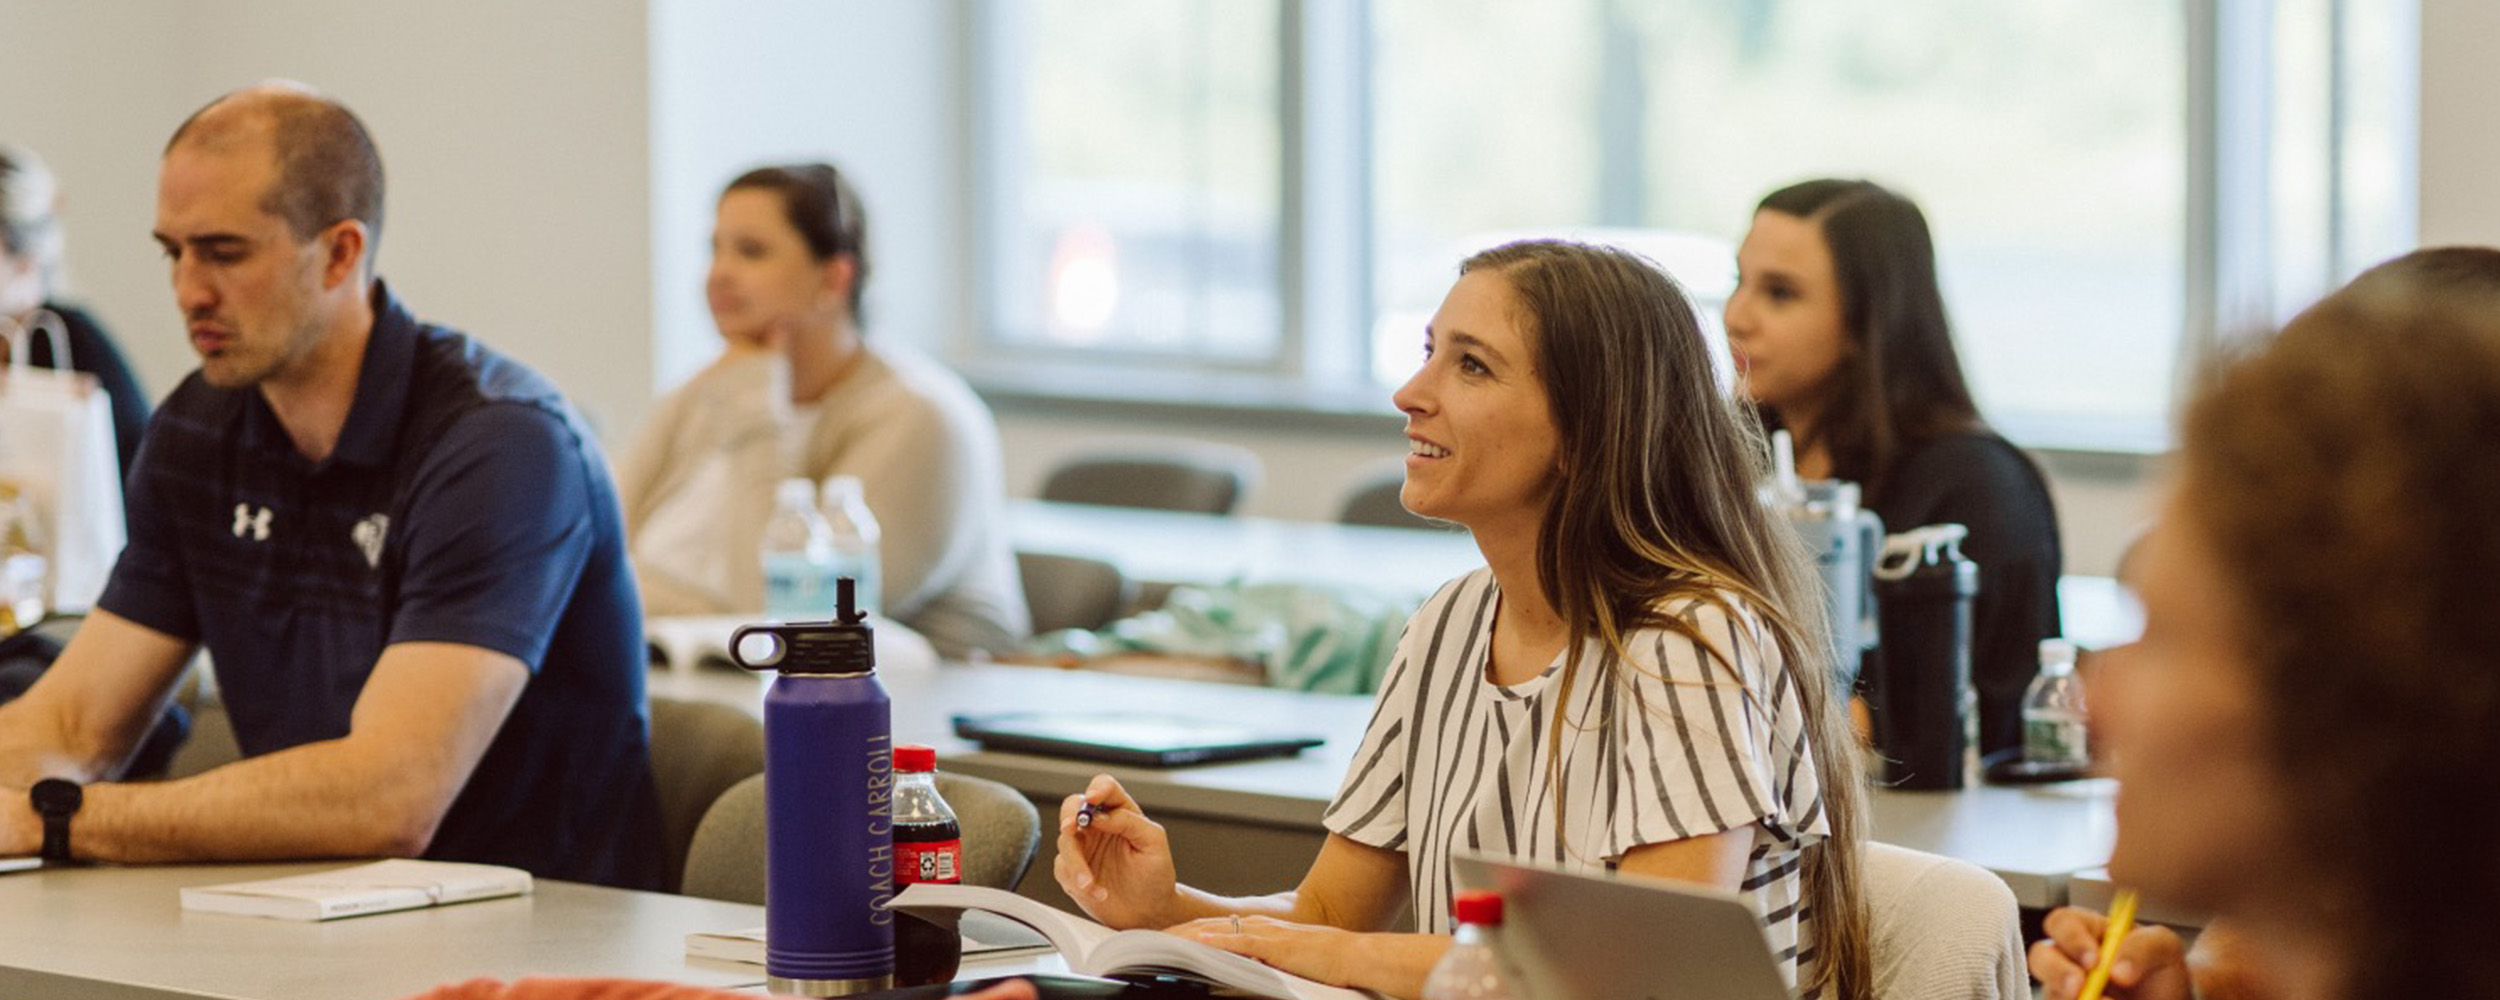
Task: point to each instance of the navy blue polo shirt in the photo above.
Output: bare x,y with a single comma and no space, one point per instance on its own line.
465,503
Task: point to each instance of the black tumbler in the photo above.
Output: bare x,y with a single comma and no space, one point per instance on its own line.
1922,699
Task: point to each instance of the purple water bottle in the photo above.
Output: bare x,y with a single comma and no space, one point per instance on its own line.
828,805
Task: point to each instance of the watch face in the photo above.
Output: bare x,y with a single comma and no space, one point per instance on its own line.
55,797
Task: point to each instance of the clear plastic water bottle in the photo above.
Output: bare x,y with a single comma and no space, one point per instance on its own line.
2054,728
800,561
1472,969
928,847
854,538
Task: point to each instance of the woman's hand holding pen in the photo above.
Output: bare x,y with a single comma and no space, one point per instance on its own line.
1113,861
2150,964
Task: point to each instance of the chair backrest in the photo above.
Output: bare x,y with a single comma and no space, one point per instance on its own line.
1943,929
1374,501
1072,591
1001,832
1196,476
698,751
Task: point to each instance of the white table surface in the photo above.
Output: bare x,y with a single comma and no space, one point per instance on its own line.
120,933
2034,837
1282,791
2093,888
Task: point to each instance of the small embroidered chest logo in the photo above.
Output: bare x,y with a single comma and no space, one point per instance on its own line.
251,523
368,535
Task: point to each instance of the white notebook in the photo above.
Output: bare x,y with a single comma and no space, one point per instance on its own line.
380,887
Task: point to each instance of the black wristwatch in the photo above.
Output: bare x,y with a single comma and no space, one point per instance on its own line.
56,800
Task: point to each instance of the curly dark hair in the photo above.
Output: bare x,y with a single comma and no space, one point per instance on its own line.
2345,473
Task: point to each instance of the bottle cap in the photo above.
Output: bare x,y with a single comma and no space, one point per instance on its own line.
841,488
845,645
914,758
2057,656
795,493
1482,907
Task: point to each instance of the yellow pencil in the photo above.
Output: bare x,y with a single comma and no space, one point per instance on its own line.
2121,920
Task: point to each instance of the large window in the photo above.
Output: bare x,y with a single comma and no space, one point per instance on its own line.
1136,178
2111,181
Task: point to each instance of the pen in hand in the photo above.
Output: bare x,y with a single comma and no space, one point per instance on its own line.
1085,814
2121,920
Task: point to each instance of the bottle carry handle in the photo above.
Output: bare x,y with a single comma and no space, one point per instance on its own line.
772,646
1922,546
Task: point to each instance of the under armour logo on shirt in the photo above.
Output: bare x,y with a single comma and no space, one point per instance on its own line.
368,535
255,522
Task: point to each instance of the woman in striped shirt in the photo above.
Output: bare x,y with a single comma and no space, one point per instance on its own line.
1634,682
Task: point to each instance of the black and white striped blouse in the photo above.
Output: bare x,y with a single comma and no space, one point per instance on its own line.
1667,746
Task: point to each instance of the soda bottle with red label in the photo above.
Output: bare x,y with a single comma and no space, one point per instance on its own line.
928,847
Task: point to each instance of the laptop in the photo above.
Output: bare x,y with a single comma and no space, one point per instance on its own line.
1624,937
1146,739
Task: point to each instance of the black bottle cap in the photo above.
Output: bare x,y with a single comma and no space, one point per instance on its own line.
845,645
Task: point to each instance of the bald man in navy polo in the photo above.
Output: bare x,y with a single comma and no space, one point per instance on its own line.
402,551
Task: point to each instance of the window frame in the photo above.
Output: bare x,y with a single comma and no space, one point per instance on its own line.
1325,239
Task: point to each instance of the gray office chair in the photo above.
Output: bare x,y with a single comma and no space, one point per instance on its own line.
1943,929
699,750
1072,591
1196,476
1001,831
1374,501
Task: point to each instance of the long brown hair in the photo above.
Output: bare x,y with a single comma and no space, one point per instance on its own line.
1902,381
2343,473
1657,500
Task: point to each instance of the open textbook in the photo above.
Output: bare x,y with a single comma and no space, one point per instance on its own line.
986,935
1095,950
380,887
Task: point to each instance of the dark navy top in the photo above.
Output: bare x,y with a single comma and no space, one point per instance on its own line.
465,503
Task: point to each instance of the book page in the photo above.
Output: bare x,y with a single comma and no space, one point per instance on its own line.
985,935
1074,936
1156,951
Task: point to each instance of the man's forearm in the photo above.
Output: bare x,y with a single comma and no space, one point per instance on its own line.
327,799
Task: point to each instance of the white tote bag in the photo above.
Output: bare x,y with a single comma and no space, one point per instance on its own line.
57,450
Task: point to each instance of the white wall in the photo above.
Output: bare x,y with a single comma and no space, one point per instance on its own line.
97,98
2460,147
514,139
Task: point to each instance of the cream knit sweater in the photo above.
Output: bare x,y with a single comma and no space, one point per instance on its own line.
698,483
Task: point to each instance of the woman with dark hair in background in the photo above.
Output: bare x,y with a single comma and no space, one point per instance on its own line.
802,392
31,249
1632,683
1838,329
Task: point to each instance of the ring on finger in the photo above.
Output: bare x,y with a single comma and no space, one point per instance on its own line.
1236,923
